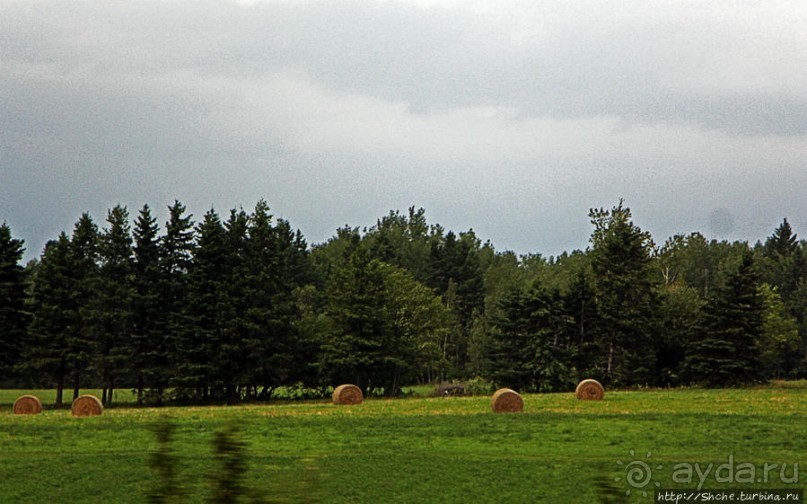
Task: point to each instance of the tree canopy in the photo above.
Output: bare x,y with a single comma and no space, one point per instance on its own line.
234,307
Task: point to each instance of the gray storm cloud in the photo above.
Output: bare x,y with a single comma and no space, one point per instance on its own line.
513,118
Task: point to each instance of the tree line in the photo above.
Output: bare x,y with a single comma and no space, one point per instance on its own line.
227,309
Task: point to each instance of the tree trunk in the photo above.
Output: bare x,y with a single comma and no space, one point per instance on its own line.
60,384
231,394
105,390
140,389
59,391
76,384
610,359
111,389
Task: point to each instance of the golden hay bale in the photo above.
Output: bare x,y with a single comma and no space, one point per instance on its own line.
589,390
87,405
27,405
506,401
347,394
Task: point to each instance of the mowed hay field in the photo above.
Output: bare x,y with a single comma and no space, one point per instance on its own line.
413,450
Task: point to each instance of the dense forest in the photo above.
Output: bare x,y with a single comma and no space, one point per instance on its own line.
232,308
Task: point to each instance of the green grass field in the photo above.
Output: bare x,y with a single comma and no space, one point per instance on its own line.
420,449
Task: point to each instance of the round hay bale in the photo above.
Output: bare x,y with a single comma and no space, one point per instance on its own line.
589,390
506,401
87,405
347,394
27,405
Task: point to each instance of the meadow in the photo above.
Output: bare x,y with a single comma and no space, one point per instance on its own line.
421,449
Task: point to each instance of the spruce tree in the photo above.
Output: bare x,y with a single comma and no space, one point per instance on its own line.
530,348
148,349
276,266
727,354
580,304
111,314
176,248
13,315
46,353
783,242
83,258
199,343
232,366
626,298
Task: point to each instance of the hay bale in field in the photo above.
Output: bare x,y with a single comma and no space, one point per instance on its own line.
87,405
589,390
506,400
347,394
27,405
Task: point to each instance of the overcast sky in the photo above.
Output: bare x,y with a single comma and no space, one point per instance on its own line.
510,117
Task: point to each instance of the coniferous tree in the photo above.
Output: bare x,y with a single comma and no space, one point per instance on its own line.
81,336
783,242
176,248
727,353
260,267
199,342
531,348
46,353
148,349
277,259
350,353
13,314
232,367
626,299
111,315
580,303
783,265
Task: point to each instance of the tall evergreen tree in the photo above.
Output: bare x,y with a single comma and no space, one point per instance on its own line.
626,299
232,367
783,242
783,265
148,350
531,348
13,315
111,313
580,303
355,306
277,266
81,336
269,365
199,343
176,249
727,354
46,353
